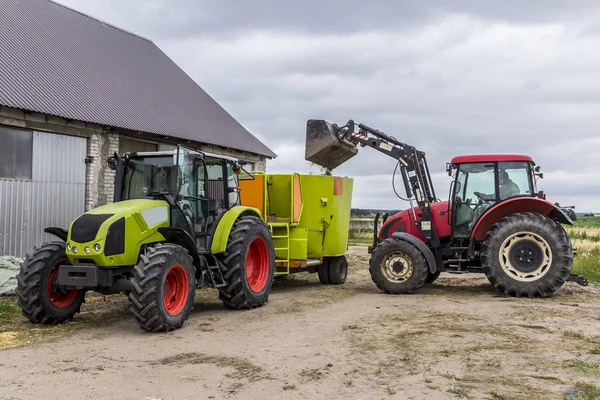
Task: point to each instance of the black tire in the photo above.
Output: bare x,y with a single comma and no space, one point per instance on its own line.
432,277
525,269
323,271
239,292
337,270
163,269
389,259
40,301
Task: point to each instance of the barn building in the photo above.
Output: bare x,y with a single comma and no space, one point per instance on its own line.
74,90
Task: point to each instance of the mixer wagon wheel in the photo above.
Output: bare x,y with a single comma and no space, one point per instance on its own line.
163,288
248,264
527,255
41,300
337,270
323,270
397,266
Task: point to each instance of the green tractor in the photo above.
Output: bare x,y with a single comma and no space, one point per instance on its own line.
176,224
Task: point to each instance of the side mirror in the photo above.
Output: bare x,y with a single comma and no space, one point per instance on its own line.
449,169
541,175
537,169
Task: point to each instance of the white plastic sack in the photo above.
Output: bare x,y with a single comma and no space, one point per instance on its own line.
9,268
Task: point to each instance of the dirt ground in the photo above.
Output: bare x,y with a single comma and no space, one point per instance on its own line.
457,338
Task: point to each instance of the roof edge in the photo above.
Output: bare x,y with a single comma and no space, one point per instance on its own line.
99,20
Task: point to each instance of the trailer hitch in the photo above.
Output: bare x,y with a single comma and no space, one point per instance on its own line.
578,278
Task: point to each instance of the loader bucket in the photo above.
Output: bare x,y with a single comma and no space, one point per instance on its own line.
324,148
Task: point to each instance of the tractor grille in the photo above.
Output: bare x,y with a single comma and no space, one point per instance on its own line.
115,239
85,228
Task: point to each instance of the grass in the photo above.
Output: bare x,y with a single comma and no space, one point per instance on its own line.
360,236
588,264
243,368
583,391
586,367
97,311
8,310
459,391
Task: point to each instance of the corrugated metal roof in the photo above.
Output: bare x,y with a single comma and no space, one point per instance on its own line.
58,61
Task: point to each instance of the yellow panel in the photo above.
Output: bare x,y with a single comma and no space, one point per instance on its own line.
297,199
252,193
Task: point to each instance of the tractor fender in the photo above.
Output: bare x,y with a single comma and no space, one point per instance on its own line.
181,237
60,233
419,244
517,205
221,235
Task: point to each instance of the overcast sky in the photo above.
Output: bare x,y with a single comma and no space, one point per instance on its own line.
449,77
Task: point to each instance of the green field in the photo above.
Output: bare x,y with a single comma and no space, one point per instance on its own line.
585,235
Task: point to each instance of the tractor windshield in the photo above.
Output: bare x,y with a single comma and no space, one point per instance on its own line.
145,176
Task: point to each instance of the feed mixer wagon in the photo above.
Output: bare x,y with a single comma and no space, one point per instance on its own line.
309,217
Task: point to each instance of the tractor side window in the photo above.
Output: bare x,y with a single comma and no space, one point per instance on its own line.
514,179
232,183
474,193
215,185
201,175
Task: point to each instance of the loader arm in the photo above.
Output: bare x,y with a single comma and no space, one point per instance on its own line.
413,163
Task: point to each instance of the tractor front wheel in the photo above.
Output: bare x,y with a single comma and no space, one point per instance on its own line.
398,267
527,255
163,288
41,300
248,265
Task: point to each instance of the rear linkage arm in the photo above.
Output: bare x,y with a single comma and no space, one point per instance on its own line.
578,278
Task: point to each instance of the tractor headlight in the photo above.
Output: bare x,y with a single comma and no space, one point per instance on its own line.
68,246
74,250
97,247
87,250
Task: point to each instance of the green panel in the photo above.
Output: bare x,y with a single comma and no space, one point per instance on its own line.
137,215
325,216
221,235
336,234
298,243
279,189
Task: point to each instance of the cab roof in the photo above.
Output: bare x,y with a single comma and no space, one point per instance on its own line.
474,158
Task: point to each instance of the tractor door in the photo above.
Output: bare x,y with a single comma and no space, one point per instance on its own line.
474,193
193,197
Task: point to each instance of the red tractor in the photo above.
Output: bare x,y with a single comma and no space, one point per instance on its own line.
495,220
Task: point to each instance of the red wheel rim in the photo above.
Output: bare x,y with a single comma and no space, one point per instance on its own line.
177,288
59,300
257,264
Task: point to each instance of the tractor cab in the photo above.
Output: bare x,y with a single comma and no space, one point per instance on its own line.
482,181
199,187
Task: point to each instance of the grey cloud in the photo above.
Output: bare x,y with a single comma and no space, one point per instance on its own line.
448,77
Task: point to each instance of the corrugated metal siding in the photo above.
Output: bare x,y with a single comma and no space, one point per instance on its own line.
57,61
54,197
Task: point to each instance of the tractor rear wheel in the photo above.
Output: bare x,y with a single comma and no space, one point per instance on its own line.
398,267
163,288
334,270
41,300
248,265
527,255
